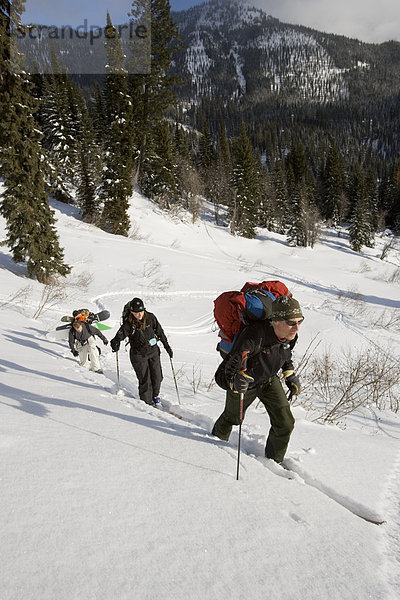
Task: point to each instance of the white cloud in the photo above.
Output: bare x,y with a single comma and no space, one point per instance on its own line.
366,20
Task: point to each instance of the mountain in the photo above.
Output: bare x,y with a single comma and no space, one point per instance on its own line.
238,57
285,81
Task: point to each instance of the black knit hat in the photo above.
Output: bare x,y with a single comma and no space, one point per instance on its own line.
285,308
136,305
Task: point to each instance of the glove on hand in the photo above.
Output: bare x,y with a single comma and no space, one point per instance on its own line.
168,350
114,345
75,352
105,342
293,383
241,382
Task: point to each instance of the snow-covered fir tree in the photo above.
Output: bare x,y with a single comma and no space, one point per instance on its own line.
245,186
116,185
31,233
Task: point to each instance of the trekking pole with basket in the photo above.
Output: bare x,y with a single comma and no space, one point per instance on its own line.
176,385
116,358
240,435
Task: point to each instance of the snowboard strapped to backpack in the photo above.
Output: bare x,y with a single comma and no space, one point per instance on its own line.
233,310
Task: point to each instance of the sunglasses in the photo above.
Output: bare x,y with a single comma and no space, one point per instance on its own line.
294,323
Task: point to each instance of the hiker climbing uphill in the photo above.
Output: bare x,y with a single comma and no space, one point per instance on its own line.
250,370
83,344
143,331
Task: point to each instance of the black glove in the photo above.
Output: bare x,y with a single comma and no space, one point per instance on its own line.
114,345
105,342
75,352
168,350
293,383
241,382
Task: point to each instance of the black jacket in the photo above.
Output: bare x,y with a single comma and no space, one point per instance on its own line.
84,335
258,351
143,342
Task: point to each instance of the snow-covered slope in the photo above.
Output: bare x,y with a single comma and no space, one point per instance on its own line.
103,497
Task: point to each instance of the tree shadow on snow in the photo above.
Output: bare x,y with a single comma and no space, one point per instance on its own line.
5,364
29,342
40,406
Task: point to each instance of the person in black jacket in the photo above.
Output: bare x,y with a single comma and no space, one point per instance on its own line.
143,331
83,344
260,351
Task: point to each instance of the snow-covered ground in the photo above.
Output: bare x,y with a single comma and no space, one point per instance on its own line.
103,497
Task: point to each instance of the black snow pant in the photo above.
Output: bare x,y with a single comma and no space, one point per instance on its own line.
274,399
149,373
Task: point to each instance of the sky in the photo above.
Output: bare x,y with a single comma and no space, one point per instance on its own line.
367,20
104,497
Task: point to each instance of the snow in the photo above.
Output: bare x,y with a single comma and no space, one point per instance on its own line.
104,497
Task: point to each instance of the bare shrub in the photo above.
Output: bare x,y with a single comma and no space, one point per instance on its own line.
152,271
134,232
364,267
388,319
82,281
336,386
52,294
387,247
395,277
196,378
19,297
151,267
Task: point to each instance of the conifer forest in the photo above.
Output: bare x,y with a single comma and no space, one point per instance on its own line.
277,126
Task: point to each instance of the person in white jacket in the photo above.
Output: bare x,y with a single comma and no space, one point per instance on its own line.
83,344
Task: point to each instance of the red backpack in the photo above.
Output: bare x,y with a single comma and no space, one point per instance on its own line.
233,310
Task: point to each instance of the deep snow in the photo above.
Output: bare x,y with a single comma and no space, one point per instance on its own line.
103,497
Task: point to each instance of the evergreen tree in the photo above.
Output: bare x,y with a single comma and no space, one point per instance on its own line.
219,189
116,185
333,182
152,93
206,149
159,178
31,233
360,225
245,186
88,169
371,191
281,210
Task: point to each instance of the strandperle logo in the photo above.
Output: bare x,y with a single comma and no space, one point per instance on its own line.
83,32
82,49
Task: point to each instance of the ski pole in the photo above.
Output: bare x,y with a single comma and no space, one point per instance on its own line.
176,385
116,357
240,434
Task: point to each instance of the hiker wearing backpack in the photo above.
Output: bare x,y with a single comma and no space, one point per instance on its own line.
143,331
250,371
83,344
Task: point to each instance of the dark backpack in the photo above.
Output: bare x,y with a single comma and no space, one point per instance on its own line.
233,310
126,311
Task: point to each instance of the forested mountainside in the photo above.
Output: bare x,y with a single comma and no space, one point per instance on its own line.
240,63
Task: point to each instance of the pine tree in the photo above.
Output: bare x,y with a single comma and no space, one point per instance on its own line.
333,182
31,233
219,189
206,149
116,186
152,93
59,118
281,211
245,186
302,215
159,179
360,226
88,169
